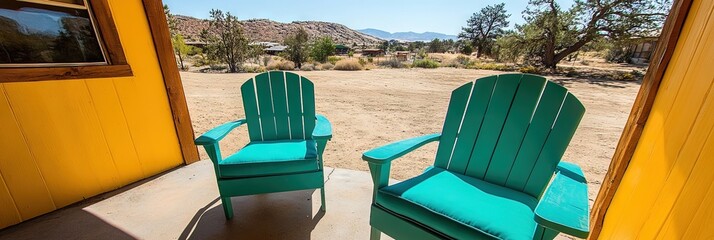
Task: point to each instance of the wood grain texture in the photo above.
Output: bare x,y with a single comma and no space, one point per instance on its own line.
174,88
639,114
63,73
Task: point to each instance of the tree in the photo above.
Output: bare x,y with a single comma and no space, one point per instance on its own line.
509,47
297,47
485,26
551,34
436,46
180,48
225,40
178,42
321,49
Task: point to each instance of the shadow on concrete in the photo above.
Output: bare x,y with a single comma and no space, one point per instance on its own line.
286,215
69,223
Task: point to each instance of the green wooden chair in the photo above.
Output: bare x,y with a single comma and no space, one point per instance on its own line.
501,145
287,140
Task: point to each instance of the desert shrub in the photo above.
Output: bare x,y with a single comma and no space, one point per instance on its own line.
362,61
626,76
370,59
266,60
307,67
281,65
391,63
327,66
490,66
462,59
425,63
530,69
333,59
348,65
253,69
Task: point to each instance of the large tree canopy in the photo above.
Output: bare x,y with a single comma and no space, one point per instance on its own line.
485,26
551,34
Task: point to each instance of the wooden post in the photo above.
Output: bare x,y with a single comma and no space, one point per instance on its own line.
639,114
172,79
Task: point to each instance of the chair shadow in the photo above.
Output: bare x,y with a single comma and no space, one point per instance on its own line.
286,215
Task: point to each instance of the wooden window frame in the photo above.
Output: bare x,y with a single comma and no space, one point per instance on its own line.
116,66
640,113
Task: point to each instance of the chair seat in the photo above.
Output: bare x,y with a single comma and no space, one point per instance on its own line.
271,158
460,206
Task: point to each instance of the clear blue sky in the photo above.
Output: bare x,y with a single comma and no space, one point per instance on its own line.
389,15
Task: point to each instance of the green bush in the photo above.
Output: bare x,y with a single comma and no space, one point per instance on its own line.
362,61
333,59
425,63
530,69
348,65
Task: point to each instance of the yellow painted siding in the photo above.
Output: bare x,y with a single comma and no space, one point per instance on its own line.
667,191
63,141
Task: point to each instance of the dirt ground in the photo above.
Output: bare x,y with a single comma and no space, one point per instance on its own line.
371,108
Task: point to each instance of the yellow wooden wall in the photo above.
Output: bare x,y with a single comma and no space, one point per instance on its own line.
667,191
63,141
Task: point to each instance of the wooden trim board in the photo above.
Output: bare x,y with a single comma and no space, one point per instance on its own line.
639,114
117,65
174,88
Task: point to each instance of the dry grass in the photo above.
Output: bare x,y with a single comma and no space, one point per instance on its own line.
348,65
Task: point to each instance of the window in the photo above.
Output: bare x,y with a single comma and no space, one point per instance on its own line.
58,39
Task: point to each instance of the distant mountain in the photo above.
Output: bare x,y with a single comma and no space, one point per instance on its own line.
407,36
264,30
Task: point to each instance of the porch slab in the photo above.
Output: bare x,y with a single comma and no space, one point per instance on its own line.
184,204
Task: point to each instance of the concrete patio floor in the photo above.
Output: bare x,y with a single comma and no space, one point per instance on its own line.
184,204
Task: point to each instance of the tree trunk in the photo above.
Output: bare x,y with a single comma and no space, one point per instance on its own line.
181,62
479,48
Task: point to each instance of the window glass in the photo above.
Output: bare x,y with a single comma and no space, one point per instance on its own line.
42,32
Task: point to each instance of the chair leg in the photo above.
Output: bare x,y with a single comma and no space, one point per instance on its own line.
322,193
227,207
374,234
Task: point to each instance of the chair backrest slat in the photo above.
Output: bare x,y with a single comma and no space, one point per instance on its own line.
250,104
265,107
499,129
519,117
536,134
454,116
278,106
308,106
294,105
472,122
555,145
493,122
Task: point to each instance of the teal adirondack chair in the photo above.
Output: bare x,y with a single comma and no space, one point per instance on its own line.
501,144
287,140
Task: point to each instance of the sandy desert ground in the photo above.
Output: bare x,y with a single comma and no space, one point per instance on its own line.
371,108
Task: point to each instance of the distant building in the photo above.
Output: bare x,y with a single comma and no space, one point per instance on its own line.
372,52
275,50
402,55
642,50
341,49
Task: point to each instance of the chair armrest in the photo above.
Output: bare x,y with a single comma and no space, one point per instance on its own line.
323,128
389,152
216,134
564,205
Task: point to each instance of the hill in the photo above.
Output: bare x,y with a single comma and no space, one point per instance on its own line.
264,30
407,36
